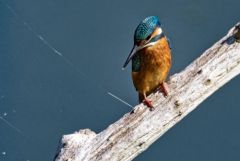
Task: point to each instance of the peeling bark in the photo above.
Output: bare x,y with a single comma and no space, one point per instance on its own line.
137,130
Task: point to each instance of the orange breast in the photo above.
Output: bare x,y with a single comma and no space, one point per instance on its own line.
155,65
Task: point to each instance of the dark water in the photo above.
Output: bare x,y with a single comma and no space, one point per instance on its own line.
44,94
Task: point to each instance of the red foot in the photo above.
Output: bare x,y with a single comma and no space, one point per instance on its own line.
148,103
165,89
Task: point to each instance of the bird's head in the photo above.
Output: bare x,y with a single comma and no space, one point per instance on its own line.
147,33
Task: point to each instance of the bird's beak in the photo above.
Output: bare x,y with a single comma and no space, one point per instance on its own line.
131,55
135,49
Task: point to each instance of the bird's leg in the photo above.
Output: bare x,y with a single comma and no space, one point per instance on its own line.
164,88
147,102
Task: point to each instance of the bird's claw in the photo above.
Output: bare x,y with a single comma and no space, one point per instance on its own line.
148,103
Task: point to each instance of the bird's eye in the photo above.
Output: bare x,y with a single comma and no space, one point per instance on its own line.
148,37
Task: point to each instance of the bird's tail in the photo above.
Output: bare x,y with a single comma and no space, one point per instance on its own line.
140,97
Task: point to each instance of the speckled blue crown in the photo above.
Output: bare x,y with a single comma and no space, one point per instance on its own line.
146,27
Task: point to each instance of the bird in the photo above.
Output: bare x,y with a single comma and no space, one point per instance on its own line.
151,59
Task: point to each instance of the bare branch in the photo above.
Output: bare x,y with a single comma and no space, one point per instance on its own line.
136,131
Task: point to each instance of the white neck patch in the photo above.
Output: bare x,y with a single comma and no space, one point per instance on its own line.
159,31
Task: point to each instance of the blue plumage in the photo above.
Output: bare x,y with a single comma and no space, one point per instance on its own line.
146,27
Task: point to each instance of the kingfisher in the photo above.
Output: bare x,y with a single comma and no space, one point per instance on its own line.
151,59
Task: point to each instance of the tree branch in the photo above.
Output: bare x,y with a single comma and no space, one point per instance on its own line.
137,130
